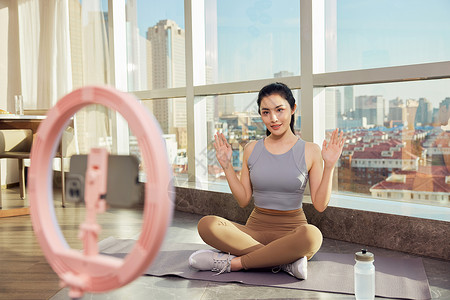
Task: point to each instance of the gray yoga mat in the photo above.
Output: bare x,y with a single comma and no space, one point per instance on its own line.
402,278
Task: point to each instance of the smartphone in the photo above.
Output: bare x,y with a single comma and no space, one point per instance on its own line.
123,187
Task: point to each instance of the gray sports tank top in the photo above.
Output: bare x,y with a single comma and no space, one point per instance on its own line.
278,180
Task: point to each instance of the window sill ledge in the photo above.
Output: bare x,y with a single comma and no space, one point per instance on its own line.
373,225
357,202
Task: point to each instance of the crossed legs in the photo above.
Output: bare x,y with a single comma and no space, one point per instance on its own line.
260,247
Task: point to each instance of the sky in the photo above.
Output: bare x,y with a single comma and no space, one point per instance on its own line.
150,12
390,33
385,32
257,38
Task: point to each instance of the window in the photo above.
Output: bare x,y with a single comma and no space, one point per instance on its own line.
395,124
393,33
155,44
251,39
249,44
171,117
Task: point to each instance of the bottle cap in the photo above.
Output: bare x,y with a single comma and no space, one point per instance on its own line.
363,255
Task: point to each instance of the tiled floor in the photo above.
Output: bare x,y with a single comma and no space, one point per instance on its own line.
183,230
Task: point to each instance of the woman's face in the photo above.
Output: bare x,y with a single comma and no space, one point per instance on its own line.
276,114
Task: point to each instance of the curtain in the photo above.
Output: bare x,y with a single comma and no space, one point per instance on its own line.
64,45
44,52
54,67
29,31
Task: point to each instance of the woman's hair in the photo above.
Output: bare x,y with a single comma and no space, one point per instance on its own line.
283,91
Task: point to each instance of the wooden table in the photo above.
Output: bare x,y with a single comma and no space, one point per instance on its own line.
10,121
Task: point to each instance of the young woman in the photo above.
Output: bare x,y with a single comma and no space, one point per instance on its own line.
275,172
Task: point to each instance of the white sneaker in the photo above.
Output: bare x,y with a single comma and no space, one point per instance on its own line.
298,268
211,260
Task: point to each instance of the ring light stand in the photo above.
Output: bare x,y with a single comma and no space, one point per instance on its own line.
89,271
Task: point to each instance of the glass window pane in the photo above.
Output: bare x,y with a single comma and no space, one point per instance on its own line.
252,39
237,117
398,140
371,34
171,117
155,44
90,64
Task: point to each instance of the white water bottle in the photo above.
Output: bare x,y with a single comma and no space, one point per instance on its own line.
364,275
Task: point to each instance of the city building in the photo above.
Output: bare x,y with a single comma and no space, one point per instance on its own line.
331,115
396,111
370,157
283,74
428,185
370,107
349,100
167,66
424,113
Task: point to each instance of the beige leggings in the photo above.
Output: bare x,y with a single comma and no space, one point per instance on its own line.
269,238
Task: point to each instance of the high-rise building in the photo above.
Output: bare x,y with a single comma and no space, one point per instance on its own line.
225,105
136,51
424,112
211,45
330,108
396,110
338,103
443,114
349,100
403,112
211,59
371,108
411,110
166,64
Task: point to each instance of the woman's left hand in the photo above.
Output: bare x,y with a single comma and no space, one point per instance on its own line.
332,150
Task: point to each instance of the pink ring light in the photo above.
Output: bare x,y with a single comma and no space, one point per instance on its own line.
100,273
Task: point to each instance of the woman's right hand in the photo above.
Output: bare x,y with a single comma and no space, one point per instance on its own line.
223,150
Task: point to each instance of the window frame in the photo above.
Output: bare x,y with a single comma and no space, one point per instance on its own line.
312,80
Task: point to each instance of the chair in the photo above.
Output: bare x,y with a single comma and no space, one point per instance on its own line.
16,143
61,162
